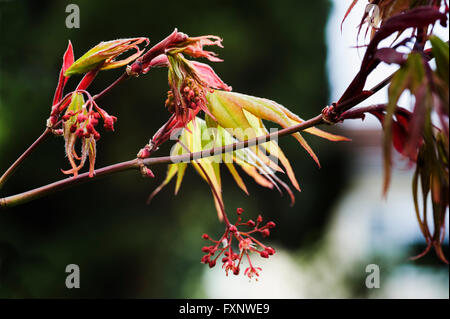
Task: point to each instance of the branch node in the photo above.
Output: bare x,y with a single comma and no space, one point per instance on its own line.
329,114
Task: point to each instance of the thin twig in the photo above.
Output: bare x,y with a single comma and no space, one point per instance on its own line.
22,157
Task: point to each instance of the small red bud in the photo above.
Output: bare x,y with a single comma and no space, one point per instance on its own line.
94,121
232,229
264,254
236,271
259,219
81,118
206,249
205,236
109,123
147,172
251,223
90,128
265,232
212,263
239,211
270,250
205,259
79,133
270,224
143,153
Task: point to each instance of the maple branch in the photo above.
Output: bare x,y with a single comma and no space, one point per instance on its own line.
27,196
22,157
47,132
39,192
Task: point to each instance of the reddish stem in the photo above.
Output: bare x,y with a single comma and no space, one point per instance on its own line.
22,157
137,163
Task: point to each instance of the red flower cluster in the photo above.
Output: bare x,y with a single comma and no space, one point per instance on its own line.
79,122
246,242
87,118
192,95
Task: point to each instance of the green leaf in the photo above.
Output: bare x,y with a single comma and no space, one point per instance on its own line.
440,51
105,53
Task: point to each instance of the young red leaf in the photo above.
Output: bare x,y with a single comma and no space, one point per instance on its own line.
68,59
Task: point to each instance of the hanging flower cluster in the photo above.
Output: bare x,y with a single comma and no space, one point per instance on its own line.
79,117
232,259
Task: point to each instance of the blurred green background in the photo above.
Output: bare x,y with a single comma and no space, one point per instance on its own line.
124,247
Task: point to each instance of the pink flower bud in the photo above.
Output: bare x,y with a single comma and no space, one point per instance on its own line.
90,128
239,211
259,219
270,250
94,121
251,223
232,229
264,254
205,236
109,122
79,133
270,224
147,172
206,249
143,153
265,232
81,118
205,259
